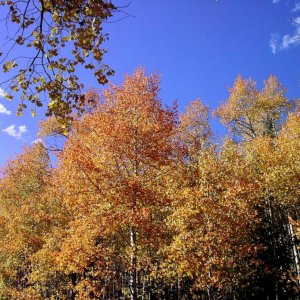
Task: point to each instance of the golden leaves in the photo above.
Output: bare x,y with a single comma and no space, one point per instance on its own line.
139,194
78,25
9,65
249,112
213,219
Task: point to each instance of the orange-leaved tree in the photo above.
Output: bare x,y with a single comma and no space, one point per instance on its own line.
112,178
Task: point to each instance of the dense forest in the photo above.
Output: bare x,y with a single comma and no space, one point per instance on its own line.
145,202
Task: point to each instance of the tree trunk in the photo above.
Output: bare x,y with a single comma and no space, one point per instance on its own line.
295,251
133,265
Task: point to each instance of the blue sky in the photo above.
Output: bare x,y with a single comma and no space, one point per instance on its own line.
197,46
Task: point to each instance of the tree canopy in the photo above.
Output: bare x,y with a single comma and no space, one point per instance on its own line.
47,43
145,204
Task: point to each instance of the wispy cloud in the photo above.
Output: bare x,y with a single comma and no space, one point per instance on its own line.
289,40
15,132
276,1
296,7
2,93
274,42
4,110
278,42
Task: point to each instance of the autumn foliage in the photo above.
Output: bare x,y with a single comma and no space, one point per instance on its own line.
145,204
57,38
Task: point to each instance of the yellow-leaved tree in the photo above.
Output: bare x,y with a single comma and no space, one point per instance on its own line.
255,117
213,250
23,223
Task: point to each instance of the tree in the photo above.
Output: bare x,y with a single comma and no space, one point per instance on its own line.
23,223
111,178
277,164
61,37
213,251
256,118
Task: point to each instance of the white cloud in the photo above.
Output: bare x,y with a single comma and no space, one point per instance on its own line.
16,133
297,21
297,7
289,40
276,1
4,110
2,93
274,42
279,43
293,39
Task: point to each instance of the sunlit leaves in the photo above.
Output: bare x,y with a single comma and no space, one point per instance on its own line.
62,35
213,220
249,112
113,172
145,204
23,223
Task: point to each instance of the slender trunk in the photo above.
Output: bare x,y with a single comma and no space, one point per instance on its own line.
208,292
274,242
295,251
143,289
133,265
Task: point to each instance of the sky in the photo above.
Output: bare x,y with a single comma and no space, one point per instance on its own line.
198,47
